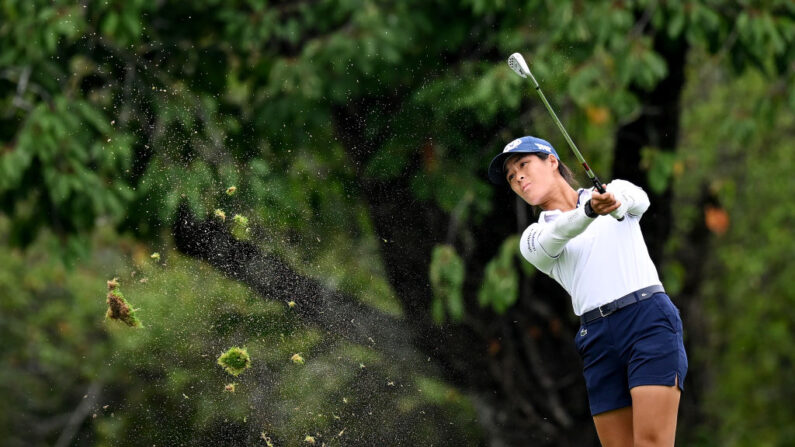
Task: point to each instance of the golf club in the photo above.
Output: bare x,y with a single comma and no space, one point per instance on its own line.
518,65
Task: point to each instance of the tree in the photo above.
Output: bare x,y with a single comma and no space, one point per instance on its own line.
369,120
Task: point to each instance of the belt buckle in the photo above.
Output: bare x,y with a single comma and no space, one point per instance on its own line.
602,313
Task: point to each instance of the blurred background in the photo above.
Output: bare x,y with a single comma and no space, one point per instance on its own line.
362,233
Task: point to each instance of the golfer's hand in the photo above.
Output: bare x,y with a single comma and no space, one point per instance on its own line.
604,203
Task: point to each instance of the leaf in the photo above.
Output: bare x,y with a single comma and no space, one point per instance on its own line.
388,162
447,279
437,310
676,23
93,116
132,22
659,167
674,275
716,219
500,287
110,24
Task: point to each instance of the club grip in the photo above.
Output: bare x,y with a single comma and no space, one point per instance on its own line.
602,190
598,184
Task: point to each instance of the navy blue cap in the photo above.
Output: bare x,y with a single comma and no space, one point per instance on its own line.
524,145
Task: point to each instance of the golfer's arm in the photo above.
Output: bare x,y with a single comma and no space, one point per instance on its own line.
542,243
633,197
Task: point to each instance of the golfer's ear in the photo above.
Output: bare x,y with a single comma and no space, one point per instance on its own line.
554,160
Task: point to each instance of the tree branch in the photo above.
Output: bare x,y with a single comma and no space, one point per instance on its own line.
271,278
79,415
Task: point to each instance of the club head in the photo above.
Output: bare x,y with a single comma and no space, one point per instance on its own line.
518,65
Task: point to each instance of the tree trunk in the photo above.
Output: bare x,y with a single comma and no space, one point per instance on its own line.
656,127
505,362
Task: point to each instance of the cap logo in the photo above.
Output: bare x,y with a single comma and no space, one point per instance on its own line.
544,147
512,144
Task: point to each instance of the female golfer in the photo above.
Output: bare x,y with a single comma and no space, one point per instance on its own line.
630,338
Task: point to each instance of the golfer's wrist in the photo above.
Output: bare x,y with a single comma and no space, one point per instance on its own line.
589,211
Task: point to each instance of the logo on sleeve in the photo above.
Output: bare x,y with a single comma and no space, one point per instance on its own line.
531,241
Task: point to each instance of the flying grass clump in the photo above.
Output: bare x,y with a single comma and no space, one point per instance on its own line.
240,227
240,220
235,360
118,307
219,213
297,359
230,387
264,436
231,190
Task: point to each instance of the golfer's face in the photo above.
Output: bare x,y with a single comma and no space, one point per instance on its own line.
530,177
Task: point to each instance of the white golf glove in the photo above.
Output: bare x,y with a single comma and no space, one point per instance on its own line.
619,212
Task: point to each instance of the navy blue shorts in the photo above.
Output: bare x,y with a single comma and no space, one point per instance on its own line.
640,344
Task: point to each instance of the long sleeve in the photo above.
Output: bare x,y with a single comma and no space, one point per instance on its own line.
542,243
634,200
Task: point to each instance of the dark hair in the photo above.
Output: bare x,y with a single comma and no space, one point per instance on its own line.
564,170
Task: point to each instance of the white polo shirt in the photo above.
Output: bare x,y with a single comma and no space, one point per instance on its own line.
597,260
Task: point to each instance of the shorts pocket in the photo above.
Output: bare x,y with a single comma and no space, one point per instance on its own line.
671,312
577,338
584,338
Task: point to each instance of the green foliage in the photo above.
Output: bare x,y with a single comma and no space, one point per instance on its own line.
242,92
63,170
447,279
162,384
659,167
673,277
744,160
114,112
195,312
441,394
54,340
500,287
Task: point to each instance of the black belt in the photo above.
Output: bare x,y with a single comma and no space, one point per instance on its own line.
626,300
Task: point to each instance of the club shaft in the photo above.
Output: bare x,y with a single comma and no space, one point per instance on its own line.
573,146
